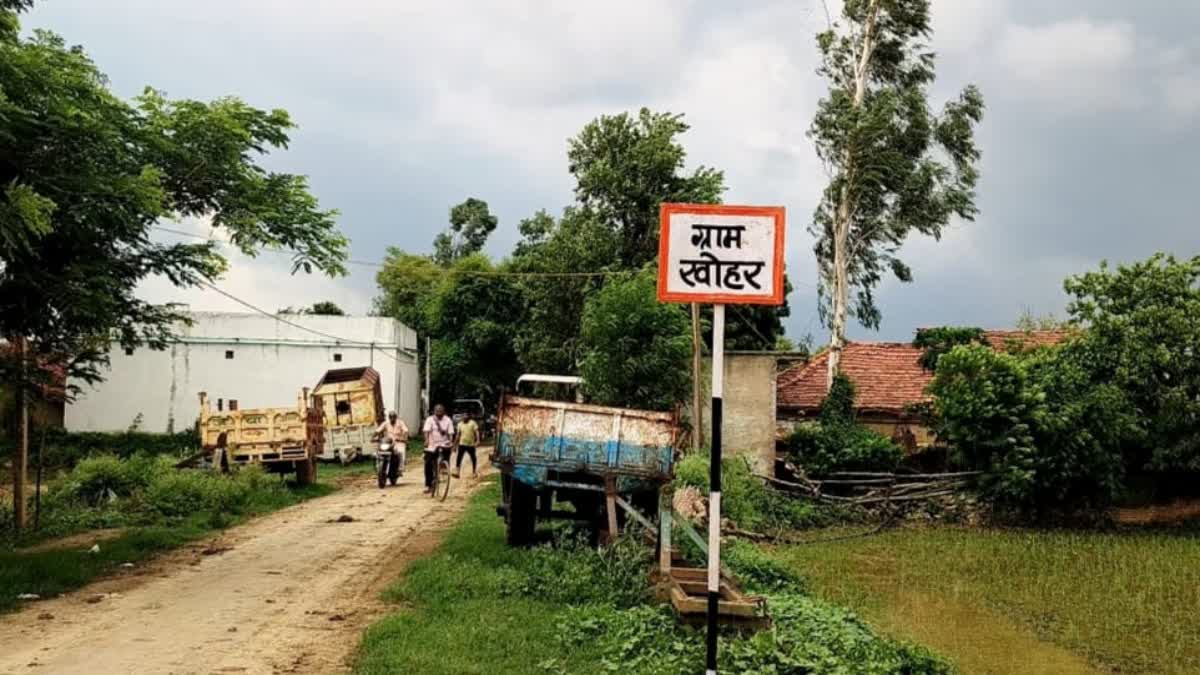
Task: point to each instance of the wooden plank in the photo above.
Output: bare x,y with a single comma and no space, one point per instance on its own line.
637,515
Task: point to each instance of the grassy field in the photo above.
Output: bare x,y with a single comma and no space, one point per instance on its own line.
457,614
479,606
1023,601
146,528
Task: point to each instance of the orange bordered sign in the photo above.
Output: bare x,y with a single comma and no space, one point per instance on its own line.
721,254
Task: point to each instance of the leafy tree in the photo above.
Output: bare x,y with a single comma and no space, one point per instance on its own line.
548,338
896,167
636,348
470,225
323,308
625,167
986,409
1142,329
937,341
406,282
471,315
1041,428
326,308
86,175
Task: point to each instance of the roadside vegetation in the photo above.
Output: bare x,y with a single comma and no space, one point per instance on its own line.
1123,601
154,505
480,606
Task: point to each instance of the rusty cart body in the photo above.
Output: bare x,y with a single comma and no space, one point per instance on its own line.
281,440
593,457
352,402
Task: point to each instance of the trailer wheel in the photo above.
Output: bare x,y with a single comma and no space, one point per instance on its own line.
521,517
306,472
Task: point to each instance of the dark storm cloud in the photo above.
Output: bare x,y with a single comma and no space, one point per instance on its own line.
406,108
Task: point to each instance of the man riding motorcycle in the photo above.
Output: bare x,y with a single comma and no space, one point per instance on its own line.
392,435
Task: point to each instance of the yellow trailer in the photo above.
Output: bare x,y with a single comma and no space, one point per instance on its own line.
282,440
352,402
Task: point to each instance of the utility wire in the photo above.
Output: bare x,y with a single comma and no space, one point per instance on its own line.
293,324
473,273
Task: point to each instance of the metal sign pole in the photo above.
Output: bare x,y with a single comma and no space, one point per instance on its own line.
714,493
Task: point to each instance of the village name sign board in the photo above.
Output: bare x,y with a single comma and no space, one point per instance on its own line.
721,254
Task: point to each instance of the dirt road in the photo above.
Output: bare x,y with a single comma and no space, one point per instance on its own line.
286,593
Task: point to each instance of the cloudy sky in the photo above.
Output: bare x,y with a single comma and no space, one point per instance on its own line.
405,108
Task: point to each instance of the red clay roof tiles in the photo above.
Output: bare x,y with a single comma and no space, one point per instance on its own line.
888,375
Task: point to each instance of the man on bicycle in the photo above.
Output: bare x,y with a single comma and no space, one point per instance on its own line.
439,440
395,430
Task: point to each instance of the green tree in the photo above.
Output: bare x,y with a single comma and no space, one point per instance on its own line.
625,167
937,341
896,167
86,176
552,255
323,308
406,282
470,225
1142,329
471,315
636,348
1042,429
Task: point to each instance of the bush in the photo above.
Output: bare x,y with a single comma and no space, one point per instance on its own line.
1040,429
746,500
186,493
826,449
573,573
63,449
839,443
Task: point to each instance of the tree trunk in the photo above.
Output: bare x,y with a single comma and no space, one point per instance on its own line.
20,461
840,283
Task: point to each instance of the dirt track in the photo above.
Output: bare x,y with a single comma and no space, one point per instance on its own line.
286,593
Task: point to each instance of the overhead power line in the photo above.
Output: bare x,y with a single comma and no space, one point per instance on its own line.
470,273
293,324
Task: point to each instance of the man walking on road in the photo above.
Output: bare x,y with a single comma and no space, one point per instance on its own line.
468,437
439,439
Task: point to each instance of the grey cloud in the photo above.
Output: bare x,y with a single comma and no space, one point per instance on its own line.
405,109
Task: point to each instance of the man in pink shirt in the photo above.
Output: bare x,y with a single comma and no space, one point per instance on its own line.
439,440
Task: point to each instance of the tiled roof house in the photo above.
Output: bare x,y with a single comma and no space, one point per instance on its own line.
888,378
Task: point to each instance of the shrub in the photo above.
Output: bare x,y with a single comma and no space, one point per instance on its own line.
937,341
848,447
839,443
746,500
185,493
573,573
1040,429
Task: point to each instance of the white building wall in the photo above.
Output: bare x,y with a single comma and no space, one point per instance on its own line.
271,361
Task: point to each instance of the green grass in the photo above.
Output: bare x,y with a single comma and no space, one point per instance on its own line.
478,606
51,572
457,612
1122,601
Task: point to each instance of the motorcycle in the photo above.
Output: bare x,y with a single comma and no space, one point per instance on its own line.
389,462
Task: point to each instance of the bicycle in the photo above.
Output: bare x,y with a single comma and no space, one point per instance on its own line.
441,478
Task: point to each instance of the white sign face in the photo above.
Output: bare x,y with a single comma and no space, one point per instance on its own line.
721,254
